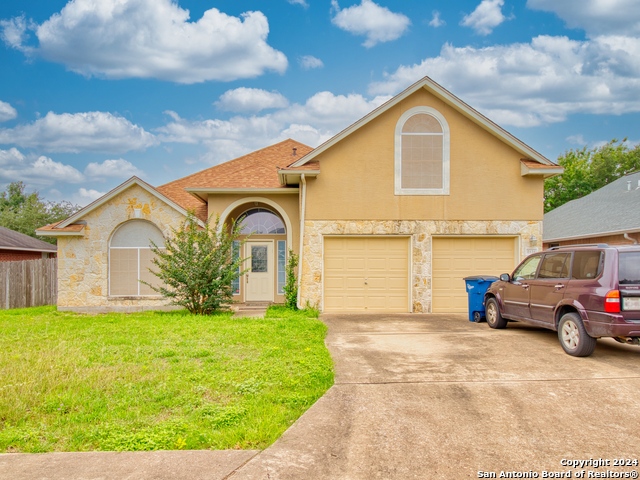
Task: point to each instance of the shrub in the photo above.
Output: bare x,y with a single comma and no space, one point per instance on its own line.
197,267
291,283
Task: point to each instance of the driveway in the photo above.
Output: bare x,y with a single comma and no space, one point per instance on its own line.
421,396
433,396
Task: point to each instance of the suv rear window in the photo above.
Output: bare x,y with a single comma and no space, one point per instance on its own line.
586,265
629,268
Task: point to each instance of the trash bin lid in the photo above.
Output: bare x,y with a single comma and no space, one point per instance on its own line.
481,278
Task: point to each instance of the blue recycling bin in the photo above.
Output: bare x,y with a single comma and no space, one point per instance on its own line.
476,288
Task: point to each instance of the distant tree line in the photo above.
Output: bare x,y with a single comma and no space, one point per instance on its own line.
588,169
24,212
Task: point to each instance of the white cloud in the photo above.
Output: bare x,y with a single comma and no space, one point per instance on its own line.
250,100
91,131
11,157
38,171
308,62
7,112
299,2
151,39
535,83
318,119
119,168
576,140
378,24
487,16
596,17
85,196
436,21
14,32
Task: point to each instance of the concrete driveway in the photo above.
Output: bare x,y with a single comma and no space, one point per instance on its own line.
421,396
433,396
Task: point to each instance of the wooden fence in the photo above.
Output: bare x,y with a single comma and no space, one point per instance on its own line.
28,283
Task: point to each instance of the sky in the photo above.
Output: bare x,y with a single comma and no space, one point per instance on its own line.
95,91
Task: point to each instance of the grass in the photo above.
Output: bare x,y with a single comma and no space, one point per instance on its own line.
156,380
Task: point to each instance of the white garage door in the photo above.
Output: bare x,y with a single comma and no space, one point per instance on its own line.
456,258
366,274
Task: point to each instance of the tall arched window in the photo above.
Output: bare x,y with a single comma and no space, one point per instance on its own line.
130,258
422,153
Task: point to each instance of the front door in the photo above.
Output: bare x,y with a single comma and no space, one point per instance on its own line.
259,277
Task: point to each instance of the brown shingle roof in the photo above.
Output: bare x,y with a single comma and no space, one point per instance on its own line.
255,170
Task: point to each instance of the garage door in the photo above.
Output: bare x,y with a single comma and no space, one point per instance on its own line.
366,274
456,258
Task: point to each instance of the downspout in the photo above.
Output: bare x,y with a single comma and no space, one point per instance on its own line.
303,204
627,237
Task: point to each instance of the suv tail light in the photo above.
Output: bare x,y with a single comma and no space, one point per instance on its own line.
612,302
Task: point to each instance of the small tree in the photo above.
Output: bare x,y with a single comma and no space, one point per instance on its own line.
291,283
197,267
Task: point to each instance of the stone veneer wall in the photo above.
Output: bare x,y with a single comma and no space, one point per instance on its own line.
421,233
83,261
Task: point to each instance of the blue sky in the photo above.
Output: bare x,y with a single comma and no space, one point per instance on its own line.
94,91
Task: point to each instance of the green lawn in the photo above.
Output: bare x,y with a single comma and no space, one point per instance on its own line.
150,381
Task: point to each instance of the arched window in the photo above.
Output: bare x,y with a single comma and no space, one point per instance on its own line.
130,258
422,153
260,221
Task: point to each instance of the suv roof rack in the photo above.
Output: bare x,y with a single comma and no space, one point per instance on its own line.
598,245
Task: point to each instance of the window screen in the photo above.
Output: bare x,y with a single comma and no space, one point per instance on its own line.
130,259
422,153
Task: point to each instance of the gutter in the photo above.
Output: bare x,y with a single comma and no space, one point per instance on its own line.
303,204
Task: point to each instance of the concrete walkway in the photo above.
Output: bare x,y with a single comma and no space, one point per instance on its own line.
419,396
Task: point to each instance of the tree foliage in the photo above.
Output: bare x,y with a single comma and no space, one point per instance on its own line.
587,170
25,212
291,282
197,267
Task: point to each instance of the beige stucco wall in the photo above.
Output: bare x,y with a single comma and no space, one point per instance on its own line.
357,175
421,233
83,261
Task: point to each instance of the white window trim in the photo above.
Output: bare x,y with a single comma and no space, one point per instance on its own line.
445,154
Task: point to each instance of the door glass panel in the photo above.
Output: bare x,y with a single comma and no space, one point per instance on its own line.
527,270
258,259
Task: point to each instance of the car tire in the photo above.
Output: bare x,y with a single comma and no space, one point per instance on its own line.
573,337
493,316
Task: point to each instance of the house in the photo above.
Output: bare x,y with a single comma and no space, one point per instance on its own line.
15,246
389,215
604,216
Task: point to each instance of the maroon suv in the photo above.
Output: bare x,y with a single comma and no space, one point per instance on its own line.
583,292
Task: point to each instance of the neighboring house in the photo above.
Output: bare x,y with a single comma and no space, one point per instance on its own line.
608,215
15,246
387,216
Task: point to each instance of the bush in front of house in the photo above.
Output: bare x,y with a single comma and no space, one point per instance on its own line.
196,266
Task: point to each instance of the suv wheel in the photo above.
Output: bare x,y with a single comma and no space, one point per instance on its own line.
573,337
492,313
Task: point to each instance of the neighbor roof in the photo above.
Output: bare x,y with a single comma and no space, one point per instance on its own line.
449,98
256,170
612,210
12,240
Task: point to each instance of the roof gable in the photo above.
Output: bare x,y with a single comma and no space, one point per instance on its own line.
67,226
450,99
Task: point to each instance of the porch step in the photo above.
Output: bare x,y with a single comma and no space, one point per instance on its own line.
251,310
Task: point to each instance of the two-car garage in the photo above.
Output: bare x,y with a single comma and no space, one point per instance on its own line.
372,273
